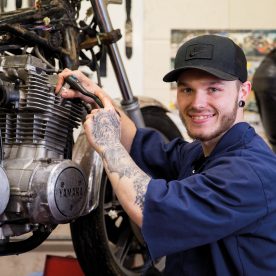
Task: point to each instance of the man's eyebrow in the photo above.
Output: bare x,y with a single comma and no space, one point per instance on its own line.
182,83
216,82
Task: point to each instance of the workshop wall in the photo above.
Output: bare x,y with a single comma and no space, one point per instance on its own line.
161,16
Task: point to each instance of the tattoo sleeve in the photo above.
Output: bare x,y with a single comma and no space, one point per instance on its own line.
117,160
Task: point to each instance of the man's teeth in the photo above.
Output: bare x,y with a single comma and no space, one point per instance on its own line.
202,117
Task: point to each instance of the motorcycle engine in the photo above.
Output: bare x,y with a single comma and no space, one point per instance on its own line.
39,183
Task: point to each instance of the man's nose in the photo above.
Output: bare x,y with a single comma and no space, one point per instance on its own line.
199,100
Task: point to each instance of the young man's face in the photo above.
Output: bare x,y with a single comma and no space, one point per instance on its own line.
207,105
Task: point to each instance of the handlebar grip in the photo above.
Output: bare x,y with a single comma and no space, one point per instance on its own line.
75,84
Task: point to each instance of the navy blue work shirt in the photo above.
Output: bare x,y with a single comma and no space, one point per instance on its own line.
214,215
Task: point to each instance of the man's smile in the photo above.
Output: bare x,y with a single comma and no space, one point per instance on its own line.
201,117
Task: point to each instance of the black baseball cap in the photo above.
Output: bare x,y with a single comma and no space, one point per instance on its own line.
215,54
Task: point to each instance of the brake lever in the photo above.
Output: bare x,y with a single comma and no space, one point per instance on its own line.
75,84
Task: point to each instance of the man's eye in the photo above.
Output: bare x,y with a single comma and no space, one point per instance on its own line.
186,90
213,89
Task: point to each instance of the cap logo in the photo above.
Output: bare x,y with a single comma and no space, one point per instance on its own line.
199,51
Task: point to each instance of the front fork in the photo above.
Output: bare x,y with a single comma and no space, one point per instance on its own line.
129,103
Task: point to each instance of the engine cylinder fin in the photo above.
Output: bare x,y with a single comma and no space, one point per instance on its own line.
42,118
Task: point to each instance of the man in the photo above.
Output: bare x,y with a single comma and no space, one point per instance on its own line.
209,205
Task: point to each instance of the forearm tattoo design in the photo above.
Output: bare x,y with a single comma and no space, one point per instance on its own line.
106,128
106,131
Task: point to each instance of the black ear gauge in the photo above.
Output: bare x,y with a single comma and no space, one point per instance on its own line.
241,103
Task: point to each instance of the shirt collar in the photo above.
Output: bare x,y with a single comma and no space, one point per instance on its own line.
235,137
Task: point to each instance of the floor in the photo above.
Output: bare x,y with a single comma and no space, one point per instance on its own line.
32,263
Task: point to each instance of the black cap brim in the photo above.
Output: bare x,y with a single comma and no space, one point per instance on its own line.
174,74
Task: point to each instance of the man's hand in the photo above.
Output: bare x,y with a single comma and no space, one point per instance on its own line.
70,93
102,128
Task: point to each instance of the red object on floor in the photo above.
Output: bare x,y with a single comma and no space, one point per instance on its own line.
62,266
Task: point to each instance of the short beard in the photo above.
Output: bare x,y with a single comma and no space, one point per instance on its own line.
226,123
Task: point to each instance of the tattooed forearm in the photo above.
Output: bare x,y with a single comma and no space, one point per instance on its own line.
106,128
118,161
140,188
127,179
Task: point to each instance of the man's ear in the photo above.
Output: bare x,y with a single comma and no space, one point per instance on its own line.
245,90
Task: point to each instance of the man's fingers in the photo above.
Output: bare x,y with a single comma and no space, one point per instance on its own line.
61,76
106,101
69,93
87,83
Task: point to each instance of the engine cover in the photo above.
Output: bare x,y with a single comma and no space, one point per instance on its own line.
55,190
59,192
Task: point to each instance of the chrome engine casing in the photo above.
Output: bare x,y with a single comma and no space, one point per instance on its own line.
39,183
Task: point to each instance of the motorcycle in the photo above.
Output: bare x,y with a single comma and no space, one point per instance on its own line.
48,177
